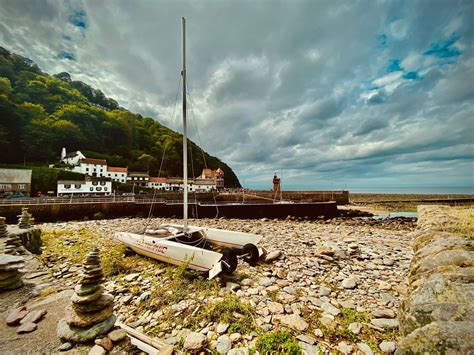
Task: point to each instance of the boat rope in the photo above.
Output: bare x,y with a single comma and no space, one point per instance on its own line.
191,102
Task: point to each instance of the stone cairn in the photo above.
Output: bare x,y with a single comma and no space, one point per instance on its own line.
10,273
25,219
91,312
3,227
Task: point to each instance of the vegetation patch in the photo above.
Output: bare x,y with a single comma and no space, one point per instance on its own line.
278,342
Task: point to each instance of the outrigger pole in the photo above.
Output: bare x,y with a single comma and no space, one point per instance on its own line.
185,138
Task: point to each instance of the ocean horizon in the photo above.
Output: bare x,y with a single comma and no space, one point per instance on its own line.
426,190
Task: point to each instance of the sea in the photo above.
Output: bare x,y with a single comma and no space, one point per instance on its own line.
425,190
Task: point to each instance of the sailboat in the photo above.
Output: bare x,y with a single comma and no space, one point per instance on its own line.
204,249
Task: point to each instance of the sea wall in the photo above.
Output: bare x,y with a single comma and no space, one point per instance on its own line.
30,237
437,317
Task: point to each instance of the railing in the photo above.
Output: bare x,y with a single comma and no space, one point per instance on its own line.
64,200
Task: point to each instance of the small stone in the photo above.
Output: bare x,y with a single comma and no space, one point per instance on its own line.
17,315
130,277
364,348
222,328
65,346
82,335
319,333
117,335
350,282
223,344
194,341
295,322
84,320
306,339
275,307
33,316
385,323
91,297
344,348
330,309
26,328
355,327
106,343
97,350
238,351
265,282
388,347
383,313
276,254
235,337
324,291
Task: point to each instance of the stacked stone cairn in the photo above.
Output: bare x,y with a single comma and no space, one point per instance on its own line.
25,219
91,312
10,272
3,228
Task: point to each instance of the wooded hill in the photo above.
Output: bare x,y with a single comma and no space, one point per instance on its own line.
40,114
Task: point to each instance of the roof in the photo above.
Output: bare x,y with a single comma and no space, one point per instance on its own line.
157,179
94,161
116,169
71,182
73,154
15,176
138,173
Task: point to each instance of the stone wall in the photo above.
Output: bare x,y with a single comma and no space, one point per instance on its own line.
437,317
30,237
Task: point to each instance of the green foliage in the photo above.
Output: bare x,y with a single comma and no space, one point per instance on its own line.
278,343
40,114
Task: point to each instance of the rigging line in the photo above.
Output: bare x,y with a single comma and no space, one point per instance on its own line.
162,158
202,150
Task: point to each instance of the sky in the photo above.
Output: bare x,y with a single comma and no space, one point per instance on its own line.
342,94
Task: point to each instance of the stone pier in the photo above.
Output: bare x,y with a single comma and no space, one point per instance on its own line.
437,317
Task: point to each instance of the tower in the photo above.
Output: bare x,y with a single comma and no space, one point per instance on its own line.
276,183
63,153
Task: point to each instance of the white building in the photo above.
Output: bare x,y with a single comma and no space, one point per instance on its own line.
138,178
158,183
176,184
92,167
73,158
84,188
117,173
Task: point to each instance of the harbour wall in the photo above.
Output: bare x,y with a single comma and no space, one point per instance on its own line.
437,316
77,211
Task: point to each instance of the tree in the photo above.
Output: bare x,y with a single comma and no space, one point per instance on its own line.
5,86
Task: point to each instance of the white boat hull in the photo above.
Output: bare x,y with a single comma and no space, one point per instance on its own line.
172,252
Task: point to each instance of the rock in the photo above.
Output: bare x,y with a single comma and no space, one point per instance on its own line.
383,313
355,327
327,320
222,328
385,323
295,322
319,333
306,339
223,344
16,316
91,297
172,340
387,347
308,348
65,346
82,335
364,348
131,277
33,316
117,335
330,309
344,348
194,341
97,350
104,301
265,281
275,307
82,290
84,320
106,343
350,282
324,291
274,255
26,328
238,351
232,286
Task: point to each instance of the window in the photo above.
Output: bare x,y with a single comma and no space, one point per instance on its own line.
102,183
92,189
5,186
98,188
67,186
87,169
94,183
21,186
105,188
77,186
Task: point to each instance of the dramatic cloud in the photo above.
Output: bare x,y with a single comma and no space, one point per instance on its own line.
332,93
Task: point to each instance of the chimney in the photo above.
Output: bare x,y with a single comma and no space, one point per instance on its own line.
63,153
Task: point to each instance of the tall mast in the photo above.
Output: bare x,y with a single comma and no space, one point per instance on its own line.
185,138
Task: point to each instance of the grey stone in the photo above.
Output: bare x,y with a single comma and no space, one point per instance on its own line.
355,327
194,341
223,344
387,347
97,350
65,346
117,335
265,281
222,328
82,335
294,321
364,348
324,291
350,282
330,309
344,348
274,255
238,351
385,323
306,339
26,328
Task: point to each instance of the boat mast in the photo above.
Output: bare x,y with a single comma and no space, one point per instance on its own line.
185,138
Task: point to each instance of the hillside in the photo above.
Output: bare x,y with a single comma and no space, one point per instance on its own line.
40,114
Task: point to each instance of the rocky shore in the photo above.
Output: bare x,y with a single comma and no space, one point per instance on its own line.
334,284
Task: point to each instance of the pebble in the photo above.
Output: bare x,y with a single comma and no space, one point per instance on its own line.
194,341
26,328
388,347
222,328
65,346
97,350
117,335
349,283
16,316
344,348
355,327
364,348
223,344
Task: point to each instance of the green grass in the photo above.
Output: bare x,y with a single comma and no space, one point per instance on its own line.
278,342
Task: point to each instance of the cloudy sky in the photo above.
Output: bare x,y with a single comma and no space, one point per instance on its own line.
328,93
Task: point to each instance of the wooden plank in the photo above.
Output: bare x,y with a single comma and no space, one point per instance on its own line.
158,345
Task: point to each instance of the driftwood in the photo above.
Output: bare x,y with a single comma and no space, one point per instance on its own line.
145,343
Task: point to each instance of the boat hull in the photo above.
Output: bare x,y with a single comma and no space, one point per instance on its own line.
170,252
